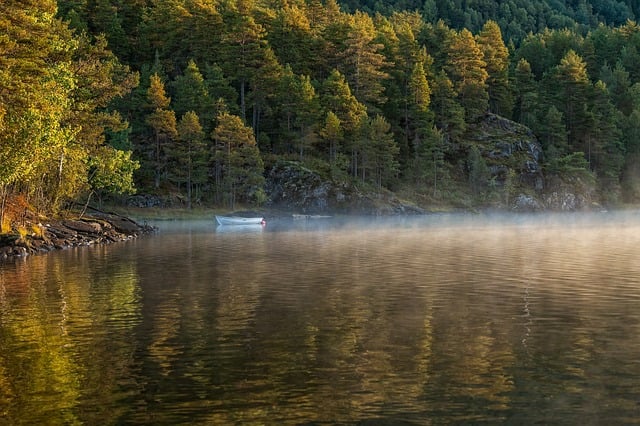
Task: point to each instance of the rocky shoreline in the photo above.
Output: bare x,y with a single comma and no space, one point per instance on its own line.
96,228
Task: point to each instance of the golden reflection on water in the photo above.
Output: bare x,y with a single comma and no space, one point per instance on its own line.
471,322
55,354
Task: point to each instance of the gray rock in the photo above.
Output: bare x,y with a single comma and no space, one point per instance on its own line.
527,203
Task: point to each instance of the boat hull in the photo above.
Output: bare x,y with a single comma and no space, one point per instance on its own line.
233,220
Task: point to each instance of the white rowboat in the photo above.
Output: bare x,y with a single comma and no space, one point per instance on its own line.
234,220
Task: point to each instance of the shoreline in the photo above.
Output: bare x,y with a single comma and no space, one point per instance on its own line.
90,229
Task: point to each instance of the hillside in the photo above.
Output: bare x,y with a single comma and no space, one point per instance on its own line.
516,18
202,98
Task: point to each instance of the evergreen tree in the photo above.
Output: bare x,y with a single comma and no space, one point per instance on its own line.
631,172
606,152
478,171
467,69
190,93
419,118
379,152
292,38
237,156
553,136
569,87
162,121
496,56
243,47
526,98
297,107
263,89
449,114
104,19
363,64
204,32
220,91
333,136
618,84
189,155
336,96
429,167
163,32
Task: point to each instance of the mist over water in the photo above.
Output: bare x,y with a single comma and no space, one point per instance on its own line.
435,319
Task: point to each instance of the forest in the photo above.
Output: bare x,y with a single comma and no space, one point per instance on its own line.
202,97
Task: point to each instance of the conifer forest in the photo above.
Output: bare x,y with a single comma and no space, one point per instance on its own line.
202,97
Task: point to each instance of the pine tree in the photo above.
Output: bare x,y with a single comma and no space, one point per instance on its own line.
293,39
496,56
297,105
333,135
243,48
189,155
336,96
526,97
380,152
163,32
419,115
606,151
619,85
220,92
449,114
478,171
237,156
553,136
569,87
429,166
190,93
363,64
467,69
162,121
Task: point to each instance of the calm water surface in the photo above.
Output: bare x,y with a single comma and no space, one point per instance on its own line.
443,319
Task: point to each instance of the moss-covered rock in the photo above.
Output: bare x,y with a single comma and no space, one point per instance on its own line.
509,146
292,187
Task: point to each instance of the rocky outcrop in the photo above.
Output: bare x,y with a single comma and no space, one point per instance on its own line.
99,228
507,145
570,195
293,187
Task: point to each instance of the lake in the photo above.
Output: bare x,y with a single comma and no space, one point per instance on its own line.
465,319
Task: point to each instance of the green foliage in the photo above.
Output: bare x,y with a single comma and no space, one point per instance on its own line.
478,171
55,92
112,171
237,160
467,69
387,98
379,152
189,154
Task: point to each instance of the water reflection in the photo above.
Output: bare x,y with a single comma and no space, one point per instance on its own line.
444,319
56,316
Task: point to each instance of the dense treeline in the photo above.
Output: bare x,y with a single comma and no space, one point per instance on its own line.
227,86
517,18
